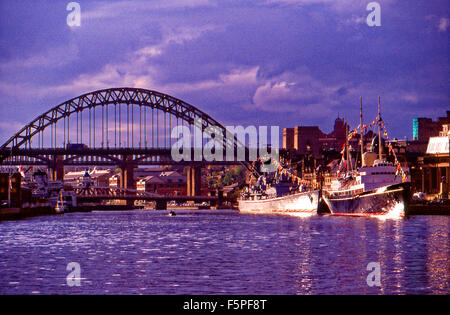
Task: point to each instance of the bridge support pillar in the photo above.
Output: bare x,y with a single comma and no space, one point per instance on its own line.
57,168
194,180
15,191
160,204
213,203
220,198
216,204
127,176
127,173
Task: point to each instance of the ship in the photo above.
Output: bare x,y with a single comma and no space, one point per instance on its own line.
279,196
372,190
33,196
379,187
60,198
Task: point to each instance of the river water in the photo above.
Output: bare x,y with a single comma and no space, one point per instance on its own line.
148,252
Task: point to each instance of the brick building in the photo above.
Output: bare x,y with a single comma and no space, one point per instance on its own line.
310,139
170,183
424,128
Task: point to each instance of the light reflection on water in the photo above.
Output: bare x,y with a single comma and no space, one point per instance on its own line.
136,252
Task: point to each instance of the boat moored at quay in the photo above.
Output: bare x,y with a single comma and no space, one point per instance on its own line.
378,187
279,195
373,190
296,202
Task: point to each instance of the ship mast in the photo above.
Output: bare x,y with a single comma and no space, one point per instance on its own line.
346,141
361,123
346,146
379,129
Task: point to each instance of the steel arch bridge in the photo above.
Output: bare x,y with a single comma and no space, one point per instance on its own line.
114,129
142,98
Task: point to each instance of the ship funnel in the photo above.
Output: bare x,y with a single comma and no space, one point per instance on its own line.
369,158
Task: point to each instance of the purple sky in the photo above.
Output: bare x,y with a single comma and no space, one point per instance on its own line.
268,62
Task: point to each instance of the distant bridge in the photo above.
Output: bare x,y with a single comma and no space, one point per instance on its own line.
122,127
96,194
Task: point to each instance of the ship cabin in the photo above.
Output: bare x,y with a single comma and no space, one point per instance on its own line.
380,173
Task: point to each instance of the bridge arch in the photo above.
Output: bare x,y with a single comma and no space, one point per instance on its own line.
115,97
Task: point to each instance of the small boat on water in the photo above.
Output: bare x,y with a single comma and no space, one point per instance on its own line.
60,207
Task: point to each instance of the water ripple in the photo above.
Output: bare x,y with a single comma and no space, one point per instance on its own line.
139,252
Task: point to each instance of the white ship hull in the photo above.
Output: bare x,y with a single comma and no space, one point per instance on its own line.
303,202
